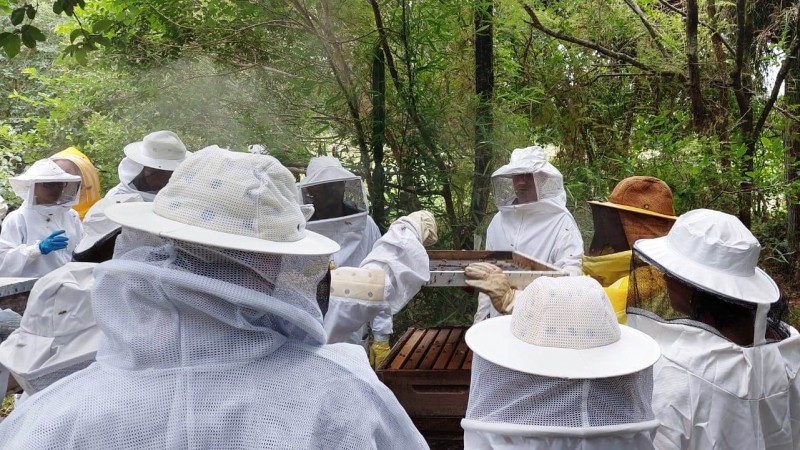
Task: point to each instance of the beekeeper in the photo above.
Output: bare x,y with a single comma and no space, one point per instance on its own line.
57,335
74,162
727,378
212,333
638,208
39,236
340,214
149,164
560,373
532,216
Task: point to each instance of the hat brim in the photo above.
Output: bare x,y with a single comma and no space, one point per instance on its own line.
758,288
633,209
493,341
140,216
135,151
91,239
27,354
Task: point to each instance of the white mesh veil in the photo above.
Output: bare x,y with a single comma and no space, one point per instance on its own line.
548,180
501,395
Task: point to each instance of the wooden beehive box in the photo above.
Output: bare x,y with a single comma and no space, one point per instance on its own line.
447,267
429,372
14,293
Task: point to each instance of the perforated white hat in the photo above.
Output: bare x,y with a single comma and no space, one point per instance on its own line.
231,200
160,150
563,328
714,251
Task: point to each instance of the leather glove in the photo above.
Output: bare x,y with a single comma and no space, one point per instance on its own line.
491,280
53,242
378,352
427,226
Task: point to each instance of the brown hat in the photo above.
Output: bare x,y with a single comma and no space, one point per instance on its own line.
643,195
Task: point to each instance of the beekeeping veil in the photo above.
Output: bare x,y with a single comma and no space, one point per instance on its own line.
549,183
61,188
329,186
560,373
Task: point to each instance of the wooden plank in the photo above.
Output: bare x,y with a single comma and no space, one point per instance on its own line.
395,350
529,262
468,361
436,348
458,356
419,353
449,348
407,349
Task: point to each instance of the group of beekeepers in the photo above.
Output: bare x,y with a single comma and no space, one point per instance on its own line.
225,313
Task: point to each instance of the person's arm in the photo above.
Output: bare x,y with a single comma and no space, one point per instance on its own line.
15,253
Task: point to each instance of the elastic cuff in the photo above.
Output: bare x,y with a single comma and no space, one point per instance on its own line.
380,337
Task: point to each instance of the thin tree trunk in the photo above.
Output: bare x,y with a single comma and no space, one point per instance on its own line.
792,145
484,121
695,91
742,81
378,137
721,111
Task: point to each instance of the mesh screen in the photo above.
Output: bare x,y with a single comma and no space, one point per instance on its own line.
569,312
671,299
549,184
501,395
33,385
69,193
349,193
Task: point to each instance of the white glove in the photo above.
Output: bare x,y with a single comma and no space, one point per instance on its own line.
491,280
427,226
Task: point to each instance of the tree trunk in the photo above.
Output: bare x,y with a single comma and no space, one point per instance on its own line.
695,91
742,85
792,145
484,121
378,137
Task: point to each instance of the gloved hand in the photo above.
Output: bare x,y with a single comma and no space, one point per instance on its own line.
427,226
53,242
378,352
491,280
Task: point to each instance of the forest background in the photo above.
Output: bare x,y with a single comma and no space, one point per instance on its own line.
424,99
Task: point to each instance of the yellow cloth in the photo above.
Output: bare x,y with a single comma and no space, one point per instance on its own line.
378,352
618,294
607,269
90,182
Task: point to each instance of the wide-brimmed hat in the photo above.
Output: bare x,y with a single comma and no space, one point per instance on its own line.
643,195
715,252
563,328
230,200
58,330
97,226
325,169
159,150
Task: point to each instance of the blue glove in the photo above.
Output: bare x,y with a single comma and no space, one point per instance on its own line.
53,242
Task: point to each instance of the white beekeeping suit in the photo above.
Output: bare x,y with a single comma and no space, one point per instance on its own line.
329,186
532,216
212,337
728,375
57,335
3,207
39,236
148,163
560,374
